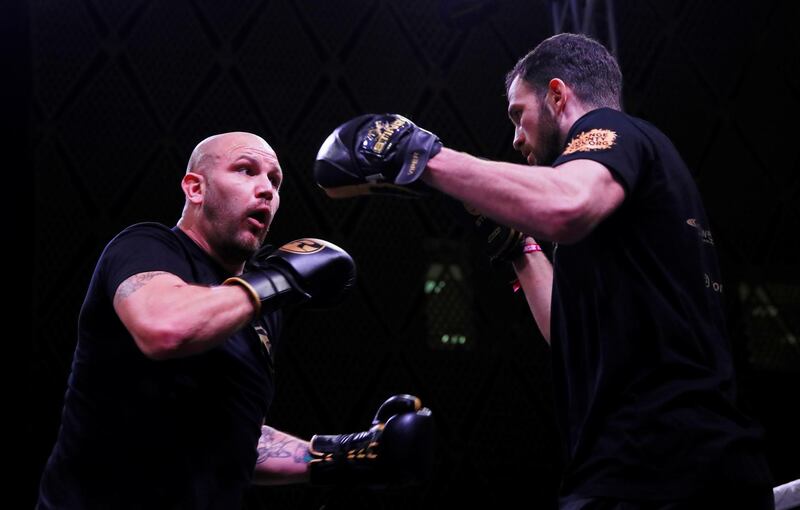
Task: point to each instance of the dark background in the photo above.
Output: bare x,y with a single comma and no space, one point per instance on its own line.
115,94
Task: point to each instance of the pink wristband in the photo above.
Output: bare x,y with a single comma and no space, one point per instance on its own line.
531,247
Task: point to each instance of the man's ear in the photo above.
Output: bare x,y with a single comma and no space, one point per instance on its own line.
559,94
194,187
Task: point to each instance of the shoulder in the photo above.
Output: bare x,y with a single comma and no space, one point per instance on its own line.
605,134
144,230
143,247
614,140
143,236
603,128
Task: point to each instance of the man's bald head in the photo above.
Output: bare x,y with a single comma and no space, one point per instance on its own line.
231,187
213,149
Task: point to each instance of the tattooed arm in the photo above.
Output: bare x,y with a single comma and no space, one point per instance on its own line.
282,459
169,318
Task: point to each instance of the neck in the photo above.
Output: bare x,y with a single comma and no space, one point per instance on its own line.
573,111
195,234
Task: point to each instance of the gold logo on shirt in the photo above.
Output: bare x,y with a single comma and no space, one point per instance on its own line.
594,140
303,246
263,337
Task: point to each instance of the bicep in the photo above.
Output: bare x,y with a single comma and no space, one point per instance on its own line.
138,298
602,193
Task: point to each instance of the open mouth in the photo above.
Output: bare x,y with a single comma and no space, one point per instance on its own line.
259,218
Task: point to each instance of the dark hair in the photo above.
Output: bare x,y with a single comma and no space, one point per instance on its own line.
581,62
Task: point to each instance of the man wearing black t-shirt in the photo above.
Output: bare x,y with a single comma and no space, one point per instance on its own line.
173,372
632,303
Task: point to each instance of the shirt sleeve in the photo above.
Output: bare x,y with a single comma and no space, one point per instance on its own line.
142,248
611,139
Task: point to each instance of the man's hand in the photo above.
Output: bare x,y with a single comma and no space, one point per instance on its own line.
501,243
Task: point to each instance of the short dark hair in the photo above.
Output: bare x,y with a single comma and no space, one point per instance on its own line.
581,62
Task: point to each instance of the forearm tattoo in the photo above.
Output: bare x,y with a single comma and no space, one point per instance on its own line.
274,444
135,283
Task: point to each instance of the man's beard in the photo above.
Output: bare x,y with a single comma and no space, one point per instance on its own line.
234,249
548,141
227,237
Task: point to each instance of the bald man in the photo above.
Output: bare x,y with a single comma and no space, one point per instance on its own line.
172,374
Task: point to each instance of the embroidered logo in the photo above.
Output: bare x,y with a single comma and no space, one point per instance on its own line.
594,140
303,246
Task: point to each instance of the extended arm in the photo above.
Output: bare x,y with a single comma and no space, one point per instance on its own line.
560,204
389,154
170,318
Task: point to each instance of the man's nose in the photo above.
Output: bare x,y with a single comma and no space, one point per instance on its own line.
519,139
264,189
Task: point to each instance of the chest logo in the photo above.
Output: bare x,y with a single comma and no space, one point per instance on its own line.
594,140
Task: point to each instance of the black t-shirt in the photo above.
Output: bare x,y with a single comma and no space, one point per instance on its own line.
643,371
139,433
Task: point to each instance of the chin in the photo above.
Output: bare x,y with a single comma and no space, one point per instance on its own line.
251,246
243,247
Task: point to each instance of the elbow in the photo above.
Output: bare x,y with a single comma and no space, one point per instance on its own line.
570,233
571,222
161,343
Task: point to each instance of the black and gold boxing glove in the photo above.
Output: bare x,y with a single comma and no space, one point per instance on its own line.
396,450
305,270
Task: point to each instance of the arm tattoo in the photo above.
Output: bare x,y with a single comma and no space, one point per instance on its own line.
135,283
274,444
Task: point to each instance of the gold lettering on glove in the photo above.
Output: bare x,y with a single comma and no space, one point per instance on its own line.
382,132
414,162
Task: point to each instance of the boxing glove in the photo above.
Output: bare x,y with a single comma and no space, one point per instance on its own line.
305,270
396,450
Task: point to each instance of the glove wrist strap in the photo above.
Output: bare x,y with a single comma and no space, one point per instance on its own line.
345,458
251,293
